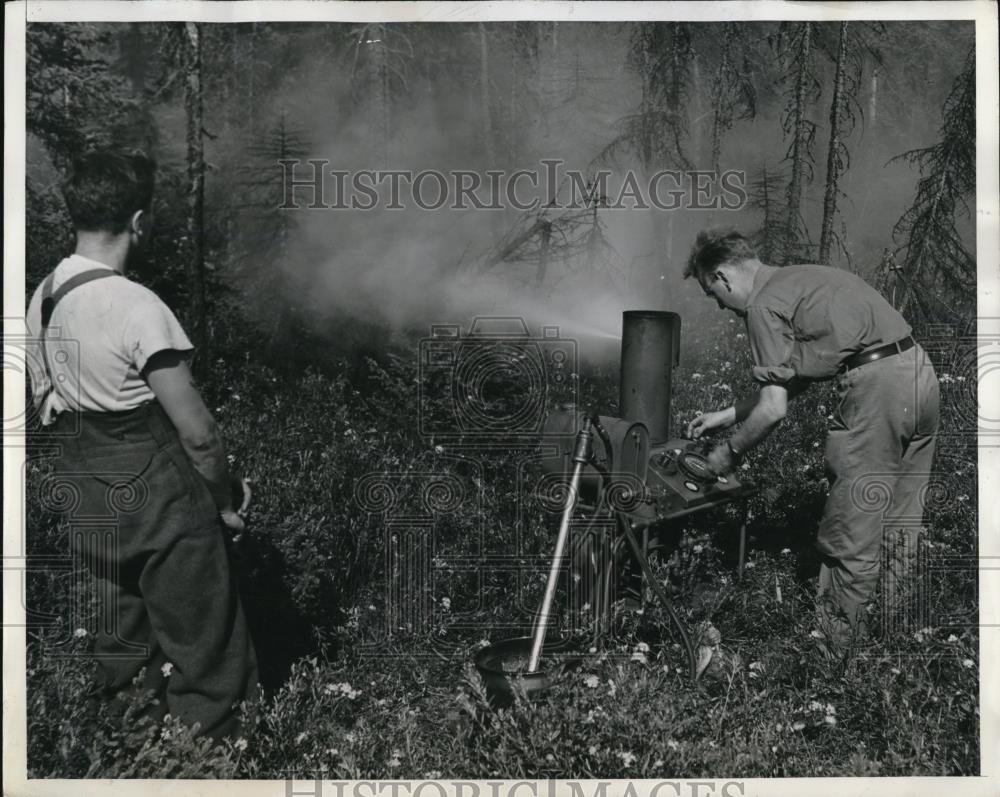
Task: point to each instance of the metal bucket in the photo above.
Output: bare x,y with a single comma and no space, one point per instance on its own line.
502,667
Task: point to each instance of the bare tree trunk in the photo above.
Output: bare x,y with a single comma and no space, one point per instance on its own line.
543,254
873,97
194,108
798,144
833,162
484,96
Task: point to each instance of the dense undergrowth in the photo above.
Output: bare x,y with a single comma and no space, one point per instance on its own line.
363,681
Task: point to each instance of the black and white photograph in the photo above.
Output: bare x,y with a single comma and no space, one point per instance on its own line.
478,398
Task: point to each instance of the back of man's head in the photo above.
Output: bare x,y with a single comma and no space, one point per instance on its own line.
105,188
717,247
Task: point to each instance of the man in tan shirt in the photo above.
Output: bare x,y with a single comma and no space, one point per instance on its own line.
810,324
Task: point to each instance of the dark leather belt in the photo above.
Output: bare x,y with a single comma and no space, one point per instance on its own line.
870,356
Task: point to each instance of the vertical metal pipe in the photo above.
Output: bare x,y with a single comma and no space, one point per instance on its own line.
580,458
650,350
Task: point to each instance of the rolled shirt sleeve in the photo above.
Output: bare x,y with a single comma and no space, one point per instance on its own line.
771,344
151,327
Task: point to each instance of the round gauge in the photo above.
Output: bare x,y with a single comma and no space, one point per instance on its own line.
694,488
696,467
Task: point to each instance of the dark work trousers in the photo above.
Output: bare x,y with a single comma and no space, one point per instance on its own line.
879,454
144,523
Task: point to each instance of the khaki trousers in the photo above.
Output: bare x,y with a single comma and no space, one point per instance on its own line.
879,454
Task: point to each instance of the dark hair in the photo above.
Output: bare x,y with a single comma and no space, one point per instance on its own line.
716,247
105,188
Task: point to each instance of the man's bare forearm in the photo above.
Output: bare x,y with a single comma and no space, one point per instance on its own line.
208,456
758,425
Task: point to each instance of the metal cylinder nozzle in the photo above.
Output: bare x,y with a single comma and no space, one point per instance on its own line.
650,350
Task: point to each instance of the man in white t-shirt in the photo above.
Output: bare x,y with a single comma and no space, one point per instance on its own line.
140,452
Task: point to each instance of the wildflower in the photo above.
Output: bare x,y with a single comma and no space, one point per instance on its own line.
592,750
438,449
830,708
301,736
697,549
695,377
592,681
816,634
894,671
241,744
829,719
611,687
750,565
446,603
332,751
639,656
778,727
798,726
815,706
642,647
80,633
816,444
968,663
756,666
627,758
658,763
963,498
785,551
673,744
952,638
433,775
166,669
236,396
740,336
394,761
822,409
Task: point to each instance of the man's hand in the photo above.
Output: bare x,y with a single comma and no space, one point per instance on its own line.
722,419
232,521
721,460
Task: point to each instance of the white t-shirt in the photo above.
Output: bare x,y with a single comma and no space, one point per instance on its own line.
100,337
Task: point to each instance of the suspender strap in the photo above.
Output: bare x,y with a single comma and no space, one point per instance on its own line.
49,302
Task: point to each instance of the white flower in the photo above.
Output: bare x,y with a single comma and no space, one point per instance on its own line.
166,669
80,633
952,638
816,634
798,726
822,409
438,449
433,775
756,665
963,498
829,719
446,603
673,744
592,681
394,761
592,750
697,549
241,744
750,565
639,656
695,377
830,708
815,706
785,551
627,758
740,336
236,396
301,736
968,663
